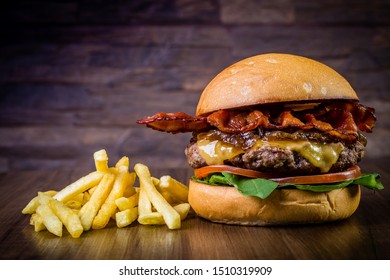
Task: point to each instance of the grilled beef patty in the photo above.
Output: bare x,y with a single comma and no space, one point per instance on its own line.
275,159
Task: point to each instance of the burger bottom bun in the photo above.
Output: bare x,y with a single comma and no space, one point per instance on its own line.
283,206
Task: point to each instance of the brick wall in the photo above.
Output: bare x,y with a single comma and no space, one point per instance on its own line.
75,75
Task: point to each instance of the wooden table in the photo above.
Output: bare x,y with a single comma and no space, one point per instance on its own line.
366,235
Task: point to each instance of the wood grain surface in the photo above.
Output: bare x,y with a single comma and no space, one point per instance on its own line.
366,235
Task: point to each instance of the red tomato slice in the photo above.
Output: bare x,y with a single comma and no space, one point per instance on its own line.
349,174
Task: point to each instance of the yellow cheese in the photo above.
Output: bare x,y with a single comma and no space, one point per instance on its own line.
215,151
320,155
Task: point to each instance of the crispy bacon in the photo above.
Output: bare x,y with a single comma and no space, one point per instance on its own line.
339,119
175,122
237,121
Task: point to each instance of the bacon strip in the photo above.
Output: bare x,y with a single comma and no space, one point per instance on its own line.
237,121
339,119
175,122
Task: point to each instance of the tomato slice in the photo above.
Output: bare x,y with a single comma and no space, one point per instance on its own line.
349,174
206,170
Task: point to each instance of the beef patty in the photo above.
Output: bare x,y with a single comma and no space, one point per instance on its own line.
275,159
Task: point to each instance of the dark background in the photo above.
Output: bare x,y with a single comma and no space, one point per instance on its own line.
76,75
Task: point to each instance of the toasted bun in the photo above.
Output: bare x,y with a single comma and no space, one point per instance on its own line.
271,78
283,206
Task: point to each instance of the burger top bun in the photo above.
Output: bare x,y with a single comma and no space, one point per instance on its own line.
283,206
270,78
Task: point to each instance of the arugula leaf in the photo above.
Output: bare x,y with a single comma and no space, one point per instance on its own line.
262,188
320,188
252,187
371,181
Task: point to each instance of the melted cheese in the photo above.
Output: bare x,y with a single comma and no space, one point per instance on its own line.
214,151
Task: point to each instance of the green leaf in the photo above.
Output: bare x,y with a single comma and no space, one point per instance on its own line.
370,180
320,188
252,187
262,188
218,179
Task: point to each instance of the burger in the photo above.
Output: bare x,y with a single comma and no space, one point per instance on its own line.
276,139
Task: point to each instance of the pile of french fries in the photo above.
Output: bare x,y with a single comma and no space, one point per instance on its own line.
109,193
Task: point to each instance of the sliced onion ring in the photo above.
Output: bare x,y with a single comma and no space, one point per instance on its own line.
349,174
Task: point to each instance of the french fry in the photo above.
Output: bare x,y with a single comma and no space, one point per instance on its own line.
79,186
76,202
176,189
144,204
91,190
156,182
37,221
69,218
34,203
101,160
123,161
112,170
124,203
155,218
50,220
126,217
164,193
90,209
171,217
108,208
182,209
73,204
79,197
109,193
86,197
130,190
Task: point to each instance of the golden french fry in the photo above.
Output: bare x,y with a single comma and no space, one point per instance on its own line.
101,160
86,197
108,208
90,209
91,190
168,197
156,182
155,218
130,190
50,220
124,203
176,189
124,161
79,198
73,204
43,198
79,186
171,200
37,221
33,204
182,209
112,170
144,204
126,217
76,202
171,217
69,218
